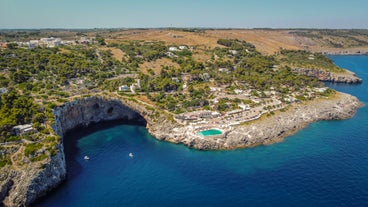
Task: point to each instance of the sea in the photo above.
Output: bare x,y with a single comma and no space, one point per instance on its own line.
325,164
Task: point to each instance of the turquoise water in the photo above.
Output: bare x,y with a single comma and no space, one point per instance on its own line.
210,132
325,164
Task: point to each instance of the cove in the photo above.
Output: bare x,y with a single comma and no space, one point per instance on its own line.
323,165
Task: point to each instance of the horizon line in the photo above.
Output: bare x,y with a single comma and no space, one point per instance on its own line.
199,28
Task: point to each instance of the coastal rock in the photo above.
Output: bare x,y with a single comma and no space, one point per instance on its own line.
345,77
268,130
23,187
282,124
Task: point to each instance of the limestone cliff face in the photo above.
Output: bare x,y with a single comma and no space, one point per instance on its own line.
20,187
346,77
90,110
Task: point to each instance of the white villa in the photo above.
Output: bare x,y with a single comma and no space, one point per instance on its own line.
124,88
173,49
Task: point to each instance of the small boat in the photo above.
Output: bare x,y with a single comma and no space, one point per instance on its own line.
86,157
131,155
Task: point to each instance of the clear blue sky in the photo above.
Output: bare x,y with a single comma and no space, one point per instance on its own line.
183,13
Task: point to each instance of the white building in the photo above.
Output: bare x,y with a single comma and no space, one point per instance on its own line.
175,79
183,47
50,42
238,91
320,90
124,88
290,99
33,43
173,49
233,52
244,107
215,89
170,54
23,129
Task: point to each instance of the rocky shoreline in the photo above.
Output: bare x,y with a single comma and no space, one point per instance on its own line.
322,75
268,130
20,188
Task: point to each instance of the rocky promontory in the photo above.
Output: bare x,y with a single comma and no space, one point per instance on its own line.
22,187
267,130
322,75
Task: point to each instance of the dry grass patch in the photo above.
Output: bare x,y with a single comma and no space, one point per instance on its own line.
266,41
170,37
157,65
65,51
118,54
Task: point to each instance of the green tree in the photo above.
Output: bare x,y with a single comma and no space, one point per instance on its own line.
20,76
100,40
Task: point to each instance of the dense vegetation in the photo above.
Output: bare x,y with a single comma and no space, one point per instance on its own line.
243,67
34,81
16,109
304,59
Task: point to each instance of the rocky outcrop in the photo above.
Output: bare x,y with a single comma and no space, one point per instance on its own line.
23,186
322,75
272,129
275,128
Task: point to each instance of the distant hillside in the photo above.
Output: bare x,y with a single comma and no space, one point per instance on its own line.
267,41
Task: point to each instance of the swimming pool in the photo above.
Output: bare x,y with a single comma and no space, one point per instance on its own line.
210,132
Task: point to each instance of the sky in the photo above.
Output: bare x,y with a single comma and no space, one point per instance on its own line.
34,14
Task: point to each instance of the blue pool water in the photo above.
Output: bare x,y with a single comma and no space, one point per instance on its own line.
325,164
210,132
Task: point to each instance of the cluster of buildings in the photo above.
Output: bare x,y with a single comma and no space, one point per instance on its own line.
135,86
195,115
49,42
173,49
267,103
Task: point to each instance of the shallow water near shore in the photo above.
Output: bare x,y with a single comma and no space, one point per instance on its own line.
323,165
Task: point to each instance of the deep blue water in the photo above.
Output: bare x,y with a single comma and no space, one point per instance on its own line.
325,164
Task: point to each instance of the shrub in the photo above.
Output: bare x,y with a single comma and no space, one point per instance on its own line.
31,149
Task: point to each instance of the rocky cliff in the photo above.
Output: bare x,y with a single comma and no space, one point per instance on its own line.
91,110
344,77
22,186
